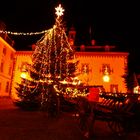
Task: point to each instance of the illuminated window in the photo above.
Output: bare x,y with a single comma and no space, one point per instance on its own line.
136,89
114,88
106,70
85,68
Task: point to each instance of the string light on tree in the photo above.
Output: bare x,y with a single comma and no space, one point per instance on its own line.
53,63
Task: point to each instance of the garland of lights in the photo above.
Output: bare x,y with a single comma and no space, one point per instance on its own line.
23,33
59,12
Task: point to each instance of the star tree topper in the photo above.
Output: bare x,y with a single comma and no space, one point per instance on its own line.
59,11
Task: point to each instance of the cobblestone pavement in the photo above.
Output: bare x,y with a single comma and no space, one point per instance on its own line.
16,124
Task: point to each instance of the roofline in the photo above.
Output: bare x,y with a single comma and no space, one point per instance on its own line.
9,46
103,53
24,52
83,53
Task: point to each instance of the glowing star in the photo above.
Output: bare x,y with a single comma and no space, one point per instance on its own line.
59,10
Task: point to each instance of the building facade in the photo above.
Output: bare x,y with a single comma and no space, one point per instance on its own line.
7,54
104,69
95,68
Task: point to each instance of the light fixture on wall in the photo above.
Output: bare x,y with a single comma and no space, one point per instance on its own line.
106,78
106,70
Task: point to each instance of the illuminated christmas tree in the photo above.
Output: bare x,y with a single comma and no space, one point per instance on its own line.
53,66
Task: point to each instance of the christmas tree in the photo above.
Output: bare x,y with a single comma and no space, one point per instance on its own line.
53,67
130,79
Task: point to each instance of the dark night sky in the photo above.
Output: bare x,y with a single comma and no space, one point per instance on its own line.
112,22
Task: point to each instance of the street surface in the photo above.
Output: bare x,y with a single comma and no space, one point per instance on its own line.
16,124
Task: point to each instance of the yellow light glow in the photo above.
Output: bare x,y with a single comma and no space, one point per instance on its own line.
136,89
63,82
106,78
59,11
24,33
23,75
